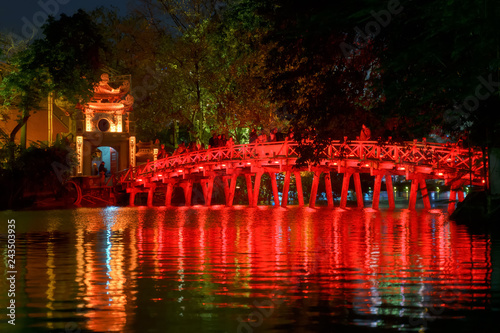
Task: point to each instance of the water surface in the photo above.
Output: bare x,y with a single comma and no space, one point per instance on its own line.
243,269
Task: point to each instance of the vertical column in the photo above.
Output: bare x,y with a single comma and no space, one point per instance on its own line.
298,183
131,199
204,189
207,186
188,192
168,194
50,109
248,179
286,188
226,182
256,189
453,198
131,152
413,194
460,193
314,189
328,187
345,189
79,154
232,189
357,188
376,191
275,189
425,193
390,191
151,193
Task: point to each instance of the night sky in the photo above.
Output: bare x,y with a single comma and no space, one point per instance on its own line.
17,15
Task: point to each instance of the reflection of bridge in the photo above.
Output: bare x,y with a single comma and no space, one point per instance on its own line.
416,161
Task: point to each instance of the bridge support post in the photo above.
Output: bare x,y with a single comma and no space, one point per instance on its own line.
413,194
345,189
286,188
131,199
359,192
453,198
416,183
328,187
230,188
207,185
274,185
188,192
376,191
248,179
455,190
390,191
256,189
168,194
300,193
377,187
314,189
425,193
151,193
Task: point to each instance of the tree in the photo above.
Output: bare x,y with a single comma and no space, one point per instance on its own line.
208,69
65,62
242,100
439,67
318,88
181,66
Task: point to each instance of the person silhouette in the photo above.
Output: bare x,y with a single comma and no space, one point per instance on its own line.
102,169
365,133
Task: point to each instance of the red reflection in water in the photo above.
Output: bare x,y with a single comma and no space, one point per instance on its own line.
398,263
369,259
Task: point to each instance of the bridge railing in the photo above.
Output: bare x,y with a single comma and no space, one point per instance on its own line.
416,153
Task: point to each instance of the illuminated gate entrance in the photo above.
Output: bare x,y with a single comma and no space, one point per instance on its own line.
105,129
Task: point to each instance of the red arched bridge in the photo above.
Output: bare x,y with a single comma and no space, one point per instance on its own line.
417,161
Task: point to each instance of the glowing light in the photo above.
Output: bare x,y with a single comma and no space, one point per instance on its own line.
119,124
180,170
277,162
132,151
440,174
483,181
79,152
223,165
366,165
139,180
249,163
160,175
88,123
201,167
335,163
401,168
